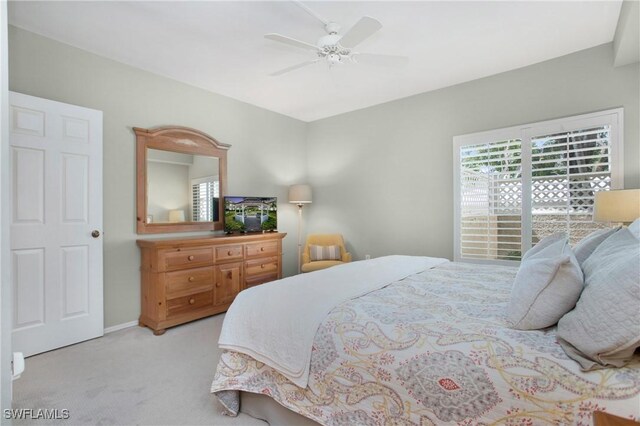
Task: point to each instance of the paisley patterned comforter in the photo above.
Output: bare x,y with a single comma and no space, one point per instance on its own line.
434,349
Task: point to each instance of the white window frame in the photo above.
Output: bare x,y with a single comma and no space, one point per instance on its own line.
196,181
613,117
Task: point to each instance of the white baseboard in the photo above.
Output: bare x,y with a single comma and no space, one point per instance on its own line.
120,327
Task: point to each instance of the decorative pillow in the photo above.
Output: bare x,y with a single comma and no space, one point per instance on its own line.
547,286
588,244
604,328
548,240
634,228
324,253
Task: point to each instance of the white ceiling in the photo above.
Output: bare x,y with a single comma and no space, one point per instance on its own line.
219,46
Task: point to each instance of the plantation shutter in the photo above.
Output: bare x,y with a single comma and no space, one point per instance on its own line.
567,169
517,185
203,193
491,200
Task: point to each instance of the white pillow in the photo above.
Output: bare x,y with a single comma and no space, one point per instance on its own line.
549,239
604,328
317,253
547,286
588,244
634,228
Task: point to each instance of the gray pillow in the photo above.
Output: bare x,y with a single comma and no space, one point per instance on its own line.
547,286
548,240
588,244
634,228
604,328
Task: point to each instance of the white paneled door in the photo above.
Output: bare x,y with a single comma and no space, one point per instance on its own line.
56,223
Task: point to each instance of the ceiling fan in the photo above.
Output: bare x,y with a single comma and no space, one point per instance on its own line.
335,48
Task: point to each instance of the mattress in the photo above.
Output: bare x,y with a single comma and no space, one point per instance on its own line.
434,348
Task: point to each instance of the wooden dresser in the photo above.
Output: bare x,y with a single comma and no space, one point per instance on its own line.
184,279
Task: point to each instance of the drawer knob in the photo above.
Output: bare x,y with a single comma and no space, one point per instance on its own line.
190,257
262,266
229,275
192,279
217,284
192,301
261,248
229,253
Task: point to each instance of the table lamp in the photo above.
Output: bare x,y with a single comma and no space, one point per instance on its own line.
620,206
176,216
300,195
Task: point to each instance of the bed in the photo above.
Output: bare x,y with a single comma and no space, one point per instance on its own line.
435,348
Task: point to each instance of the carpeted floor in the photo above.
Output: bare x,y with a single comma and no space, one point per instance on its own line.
130,377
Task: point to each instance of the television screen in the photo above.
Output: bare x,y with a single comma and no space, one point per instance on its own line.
250,214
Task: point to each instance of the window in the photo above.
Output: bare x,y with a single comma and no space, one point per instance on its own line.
206,193
515,186
491,200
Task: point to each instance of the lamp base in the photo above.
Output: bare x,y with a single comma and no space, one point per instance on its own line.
299,238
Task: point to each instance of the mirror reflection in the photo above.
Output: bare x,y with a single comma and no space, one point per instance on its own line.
182,187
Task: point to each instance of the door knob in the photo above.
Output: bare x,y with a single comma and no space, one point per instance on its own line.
95,233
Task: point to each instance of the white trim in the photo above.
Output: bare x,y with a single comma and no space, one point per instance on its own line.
613,117
120,327
472,139
526,228
6,298
205,179
617,150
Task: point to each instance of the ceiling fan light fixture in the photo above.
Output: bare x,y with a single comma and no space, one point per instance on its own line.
328,41
334,58
332,28
335,48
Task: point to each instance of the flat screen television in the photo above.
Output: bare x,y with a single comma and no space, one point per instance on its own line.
250,214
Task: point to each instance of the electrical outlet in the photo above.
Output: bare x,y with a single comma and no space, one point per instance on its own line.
367,256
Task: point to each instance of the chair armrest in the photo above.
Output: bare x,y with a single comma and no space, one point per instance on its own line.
346,257
305,258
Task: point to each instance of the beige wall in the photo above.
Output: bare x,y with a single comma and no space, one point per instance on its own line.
383,176
267,152
168,188
203,167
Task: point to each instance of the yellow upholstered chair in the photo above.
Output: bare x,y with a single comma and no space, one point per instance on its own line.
323,240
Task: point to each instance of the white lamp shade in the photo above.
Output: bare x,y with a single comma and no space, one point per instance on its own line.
300,194
617,206
176,215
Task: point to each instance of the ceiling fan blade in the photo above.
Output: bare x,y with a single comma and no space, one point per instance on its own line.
382,60
293,67
291,41
362,30
311,12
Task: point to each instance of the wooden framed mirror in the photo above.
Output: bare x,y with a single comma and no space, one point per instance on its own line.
181,179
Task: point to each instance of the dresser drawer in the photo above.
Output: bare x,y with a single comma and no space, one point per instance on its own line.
256,267
184,279
187,258
180,283
266,248
228,253
261,279
189,303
